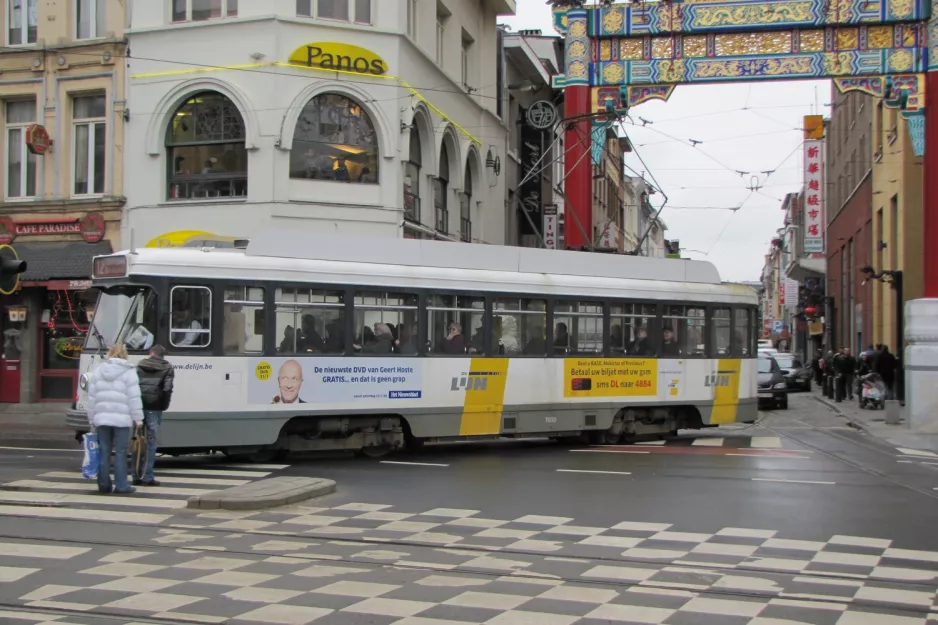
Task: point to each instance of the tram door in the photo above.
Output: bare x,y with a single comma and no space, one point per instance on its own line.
13,325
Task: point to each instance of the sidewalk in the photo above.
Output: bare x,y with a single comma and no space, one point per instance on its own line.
873,422
35,425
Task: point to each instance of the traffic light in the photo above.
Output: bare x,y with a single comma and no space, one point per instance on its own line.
10,269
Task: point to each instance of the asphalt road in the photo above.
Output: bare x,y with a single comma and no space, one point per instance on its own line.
795,519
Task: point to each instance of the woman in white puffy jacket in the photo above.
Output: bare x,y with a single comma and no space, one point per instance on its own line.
114,408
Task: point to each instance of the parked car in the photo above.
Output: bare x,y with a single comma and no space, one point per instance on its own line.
797,375
773,390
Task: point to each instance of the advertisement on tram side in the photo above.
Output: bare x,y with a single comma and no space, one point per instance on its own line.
288,381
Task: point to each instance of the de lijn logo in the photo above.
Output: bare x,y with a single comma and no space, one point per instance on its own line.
340,56
472,381
720,378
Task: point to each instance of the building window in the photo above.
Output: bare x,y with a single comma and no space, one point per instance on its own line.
363,11
465,209
205,149
412,19
21,163
90,19
334,140
201,10
89,114
412,177
333,9
441,16
440,191
22,21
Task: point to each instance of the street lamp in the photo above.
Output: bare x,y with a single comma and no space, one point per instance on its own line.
892,277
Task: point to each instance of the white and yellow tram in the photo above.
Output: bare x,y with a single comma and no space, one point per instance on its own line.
298,343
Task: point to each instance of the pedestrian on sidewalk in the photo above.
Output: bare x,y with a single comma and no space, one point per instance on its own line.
156,390
849,370
114,408
885,366
817,365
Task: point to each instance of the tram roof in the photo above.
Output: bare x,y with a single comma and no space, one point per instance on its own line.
444,254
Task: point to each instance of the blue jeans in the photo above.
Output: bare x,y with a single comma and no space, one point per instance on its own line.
116,440
152,419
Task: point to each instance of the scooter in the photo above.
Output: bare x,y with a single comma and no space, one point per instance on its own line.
873,392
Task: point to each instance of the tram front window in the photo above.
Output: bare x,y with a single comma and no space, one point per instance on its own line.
124,315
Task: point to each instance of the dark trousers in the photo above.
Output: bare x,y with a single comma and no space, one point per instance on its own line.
848,384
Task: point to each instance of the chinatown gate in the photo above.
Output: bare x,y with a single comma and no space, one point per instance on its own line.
620,55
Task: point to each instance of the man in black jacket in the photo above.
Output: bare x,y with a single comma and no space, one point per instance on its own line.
156,391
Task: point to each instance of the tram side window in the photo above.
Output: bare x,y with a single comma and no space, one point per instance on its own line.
191,317
455,325
631,329
385,323
244,320
683,332
743,335
310,321
519,326
578,328
721,332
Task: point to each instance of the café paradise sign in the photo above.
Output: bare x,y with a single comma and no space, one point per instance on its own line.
339,56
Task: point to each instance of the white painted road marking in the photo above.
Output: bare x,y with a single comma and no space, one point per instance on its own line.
766,442
416,464
584,471
112,516
59,499
203,481
89,486
766,479
58,451
708,442
213,472
917,452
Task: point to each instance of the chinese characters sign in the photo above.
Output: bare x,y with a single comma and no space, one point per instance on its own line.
813,196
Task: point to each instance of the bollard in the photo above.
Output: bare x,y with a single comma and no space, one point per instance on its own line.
892,412
838,388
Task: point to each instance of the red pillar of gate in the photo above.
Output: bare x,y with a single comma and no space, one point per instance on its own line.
930,199
578,169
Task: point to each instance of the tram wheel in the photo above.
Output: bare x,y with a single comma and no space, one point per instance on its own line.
376,452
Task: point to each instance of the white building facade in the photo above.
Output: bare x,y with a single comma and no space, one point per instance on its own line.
367,117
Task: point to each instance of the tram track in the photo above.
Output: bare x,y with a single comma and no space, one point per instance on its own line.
701,570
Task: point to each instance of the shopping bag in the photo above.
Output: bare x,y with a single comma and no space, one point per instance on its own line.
89,466
138,453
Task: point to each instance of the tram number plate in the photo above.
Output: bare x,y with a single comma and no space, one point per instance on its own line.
550,419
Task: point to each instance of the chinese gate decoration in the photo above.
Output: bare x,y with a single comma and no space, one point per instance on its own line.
619,55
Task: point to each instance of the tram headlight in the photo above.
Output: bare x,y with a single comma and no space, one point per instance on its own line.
780,386
83,382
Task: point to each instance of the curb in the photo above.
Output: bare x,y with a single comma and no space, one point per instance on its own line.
269,493
859,425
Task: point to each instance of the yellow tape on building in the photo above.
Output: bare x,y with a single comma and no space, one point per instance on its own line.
485,397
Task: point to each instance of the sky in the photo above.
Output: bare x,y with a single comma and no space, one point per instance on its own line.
754,128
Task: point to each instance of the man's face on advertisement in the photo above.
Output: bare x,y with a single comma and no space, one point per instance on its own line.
290,380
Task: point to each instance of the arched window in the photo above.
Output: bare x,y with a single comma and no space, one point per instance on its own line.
205,149
440,191
465,208
412,177
334,140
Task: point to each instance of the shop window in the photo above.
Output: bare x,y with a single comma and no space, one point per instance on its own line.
631,330
21,163
191,317
385,323
310,321
578,328
334,140
201,10
244,320
412,176
519,326
65,319
683,332
89,115
455,325
90,19
205,148
22,22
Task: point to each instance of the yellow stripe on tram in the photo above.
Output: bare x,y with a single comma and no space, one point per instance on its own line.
485,397
726,391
